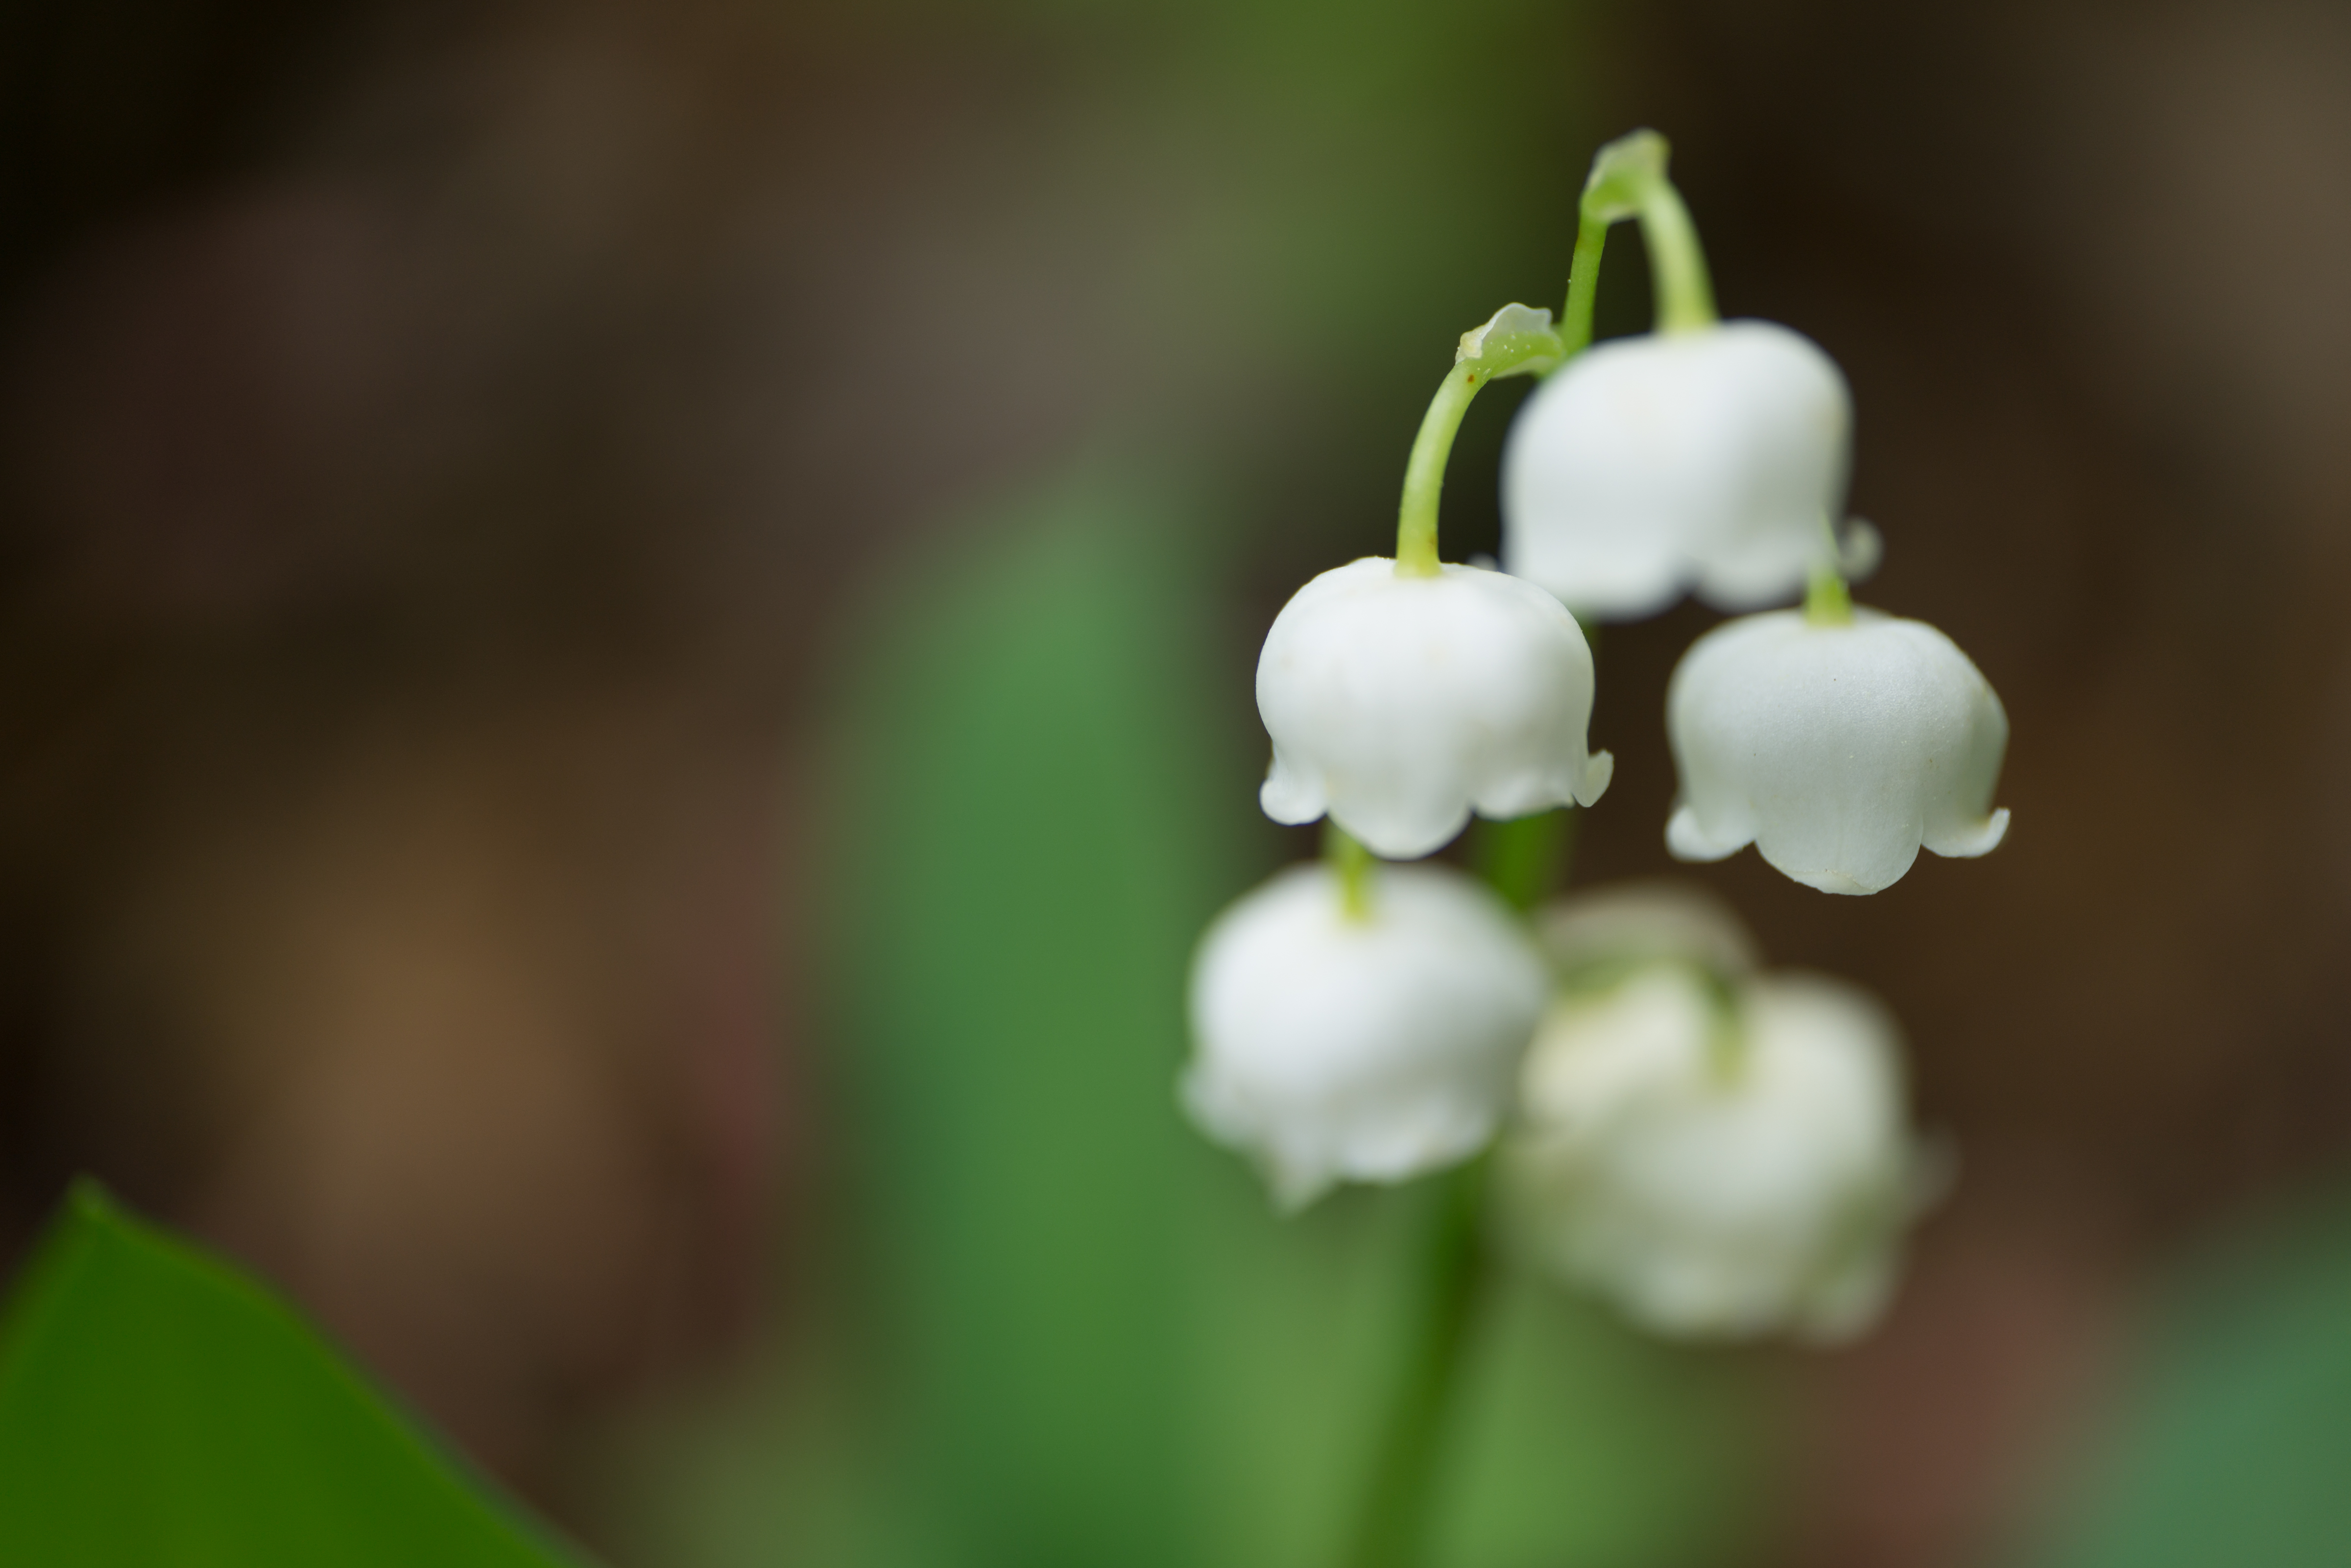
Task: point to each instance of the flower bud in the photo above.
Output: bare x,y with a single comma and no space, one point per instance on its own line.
1837,750
1714,459
1717,1165
1367,1046
1399,704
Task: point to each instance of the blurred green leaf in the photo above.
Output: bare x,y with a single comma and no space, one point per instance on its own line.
159,1407
2234,1443
1038,853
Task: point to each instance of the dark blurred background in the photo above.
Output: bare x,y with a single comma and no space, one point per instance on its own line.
479,487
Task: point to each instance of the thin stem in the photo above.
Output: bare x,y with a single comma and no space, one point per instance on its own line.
1676,261
1827,600
1520,859
1352,862
1583,279
1424,472
1391,1527
1628,181
1515,341
1727,1040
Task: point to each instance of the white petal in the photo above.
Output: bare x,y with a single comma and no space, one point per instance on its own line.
1837,750
1290,795
1650,465
1861,550
1373,1048
1689,840
1402,703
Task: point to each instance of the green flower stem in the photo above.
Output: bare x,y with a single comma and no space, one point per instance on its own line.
1727,1040
1677,262
1515,341
1827,600
1524,858
1424,472
1353,862
1393,1525
1628,181
1583,279
1520,859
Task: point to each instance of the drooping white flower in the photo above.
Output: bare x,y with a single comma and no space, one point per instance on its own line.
1398,703
1837,750
1718,1164
1713,459
1333,1045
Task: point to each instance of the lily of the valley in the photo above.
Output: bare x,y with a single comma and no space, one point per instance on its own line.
1399,703
1839,748
1712,458
1719,1162
1370,1040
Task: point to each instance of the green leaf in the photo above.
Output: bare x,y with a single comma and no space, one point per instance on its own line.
1035,851
2233,1442
158,1407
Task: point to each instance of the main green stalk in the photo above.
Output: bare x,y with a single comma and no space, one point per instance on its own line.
1392,1528
1523,859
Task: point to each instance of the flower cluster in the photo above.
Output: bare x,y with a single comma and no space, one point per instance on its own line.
1717,1149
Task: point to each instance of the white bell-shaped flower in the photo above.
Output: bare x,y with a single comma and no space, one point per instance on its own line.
1718,1164
1837,749
1333,1044
1713,459
1399,704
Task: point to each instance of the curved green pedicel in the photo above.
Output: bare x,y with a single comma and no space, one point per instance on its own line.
1516,341
1628,180
1353,864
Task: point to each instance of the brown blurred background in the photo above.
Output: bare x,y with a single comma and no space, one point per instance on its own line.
439,443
